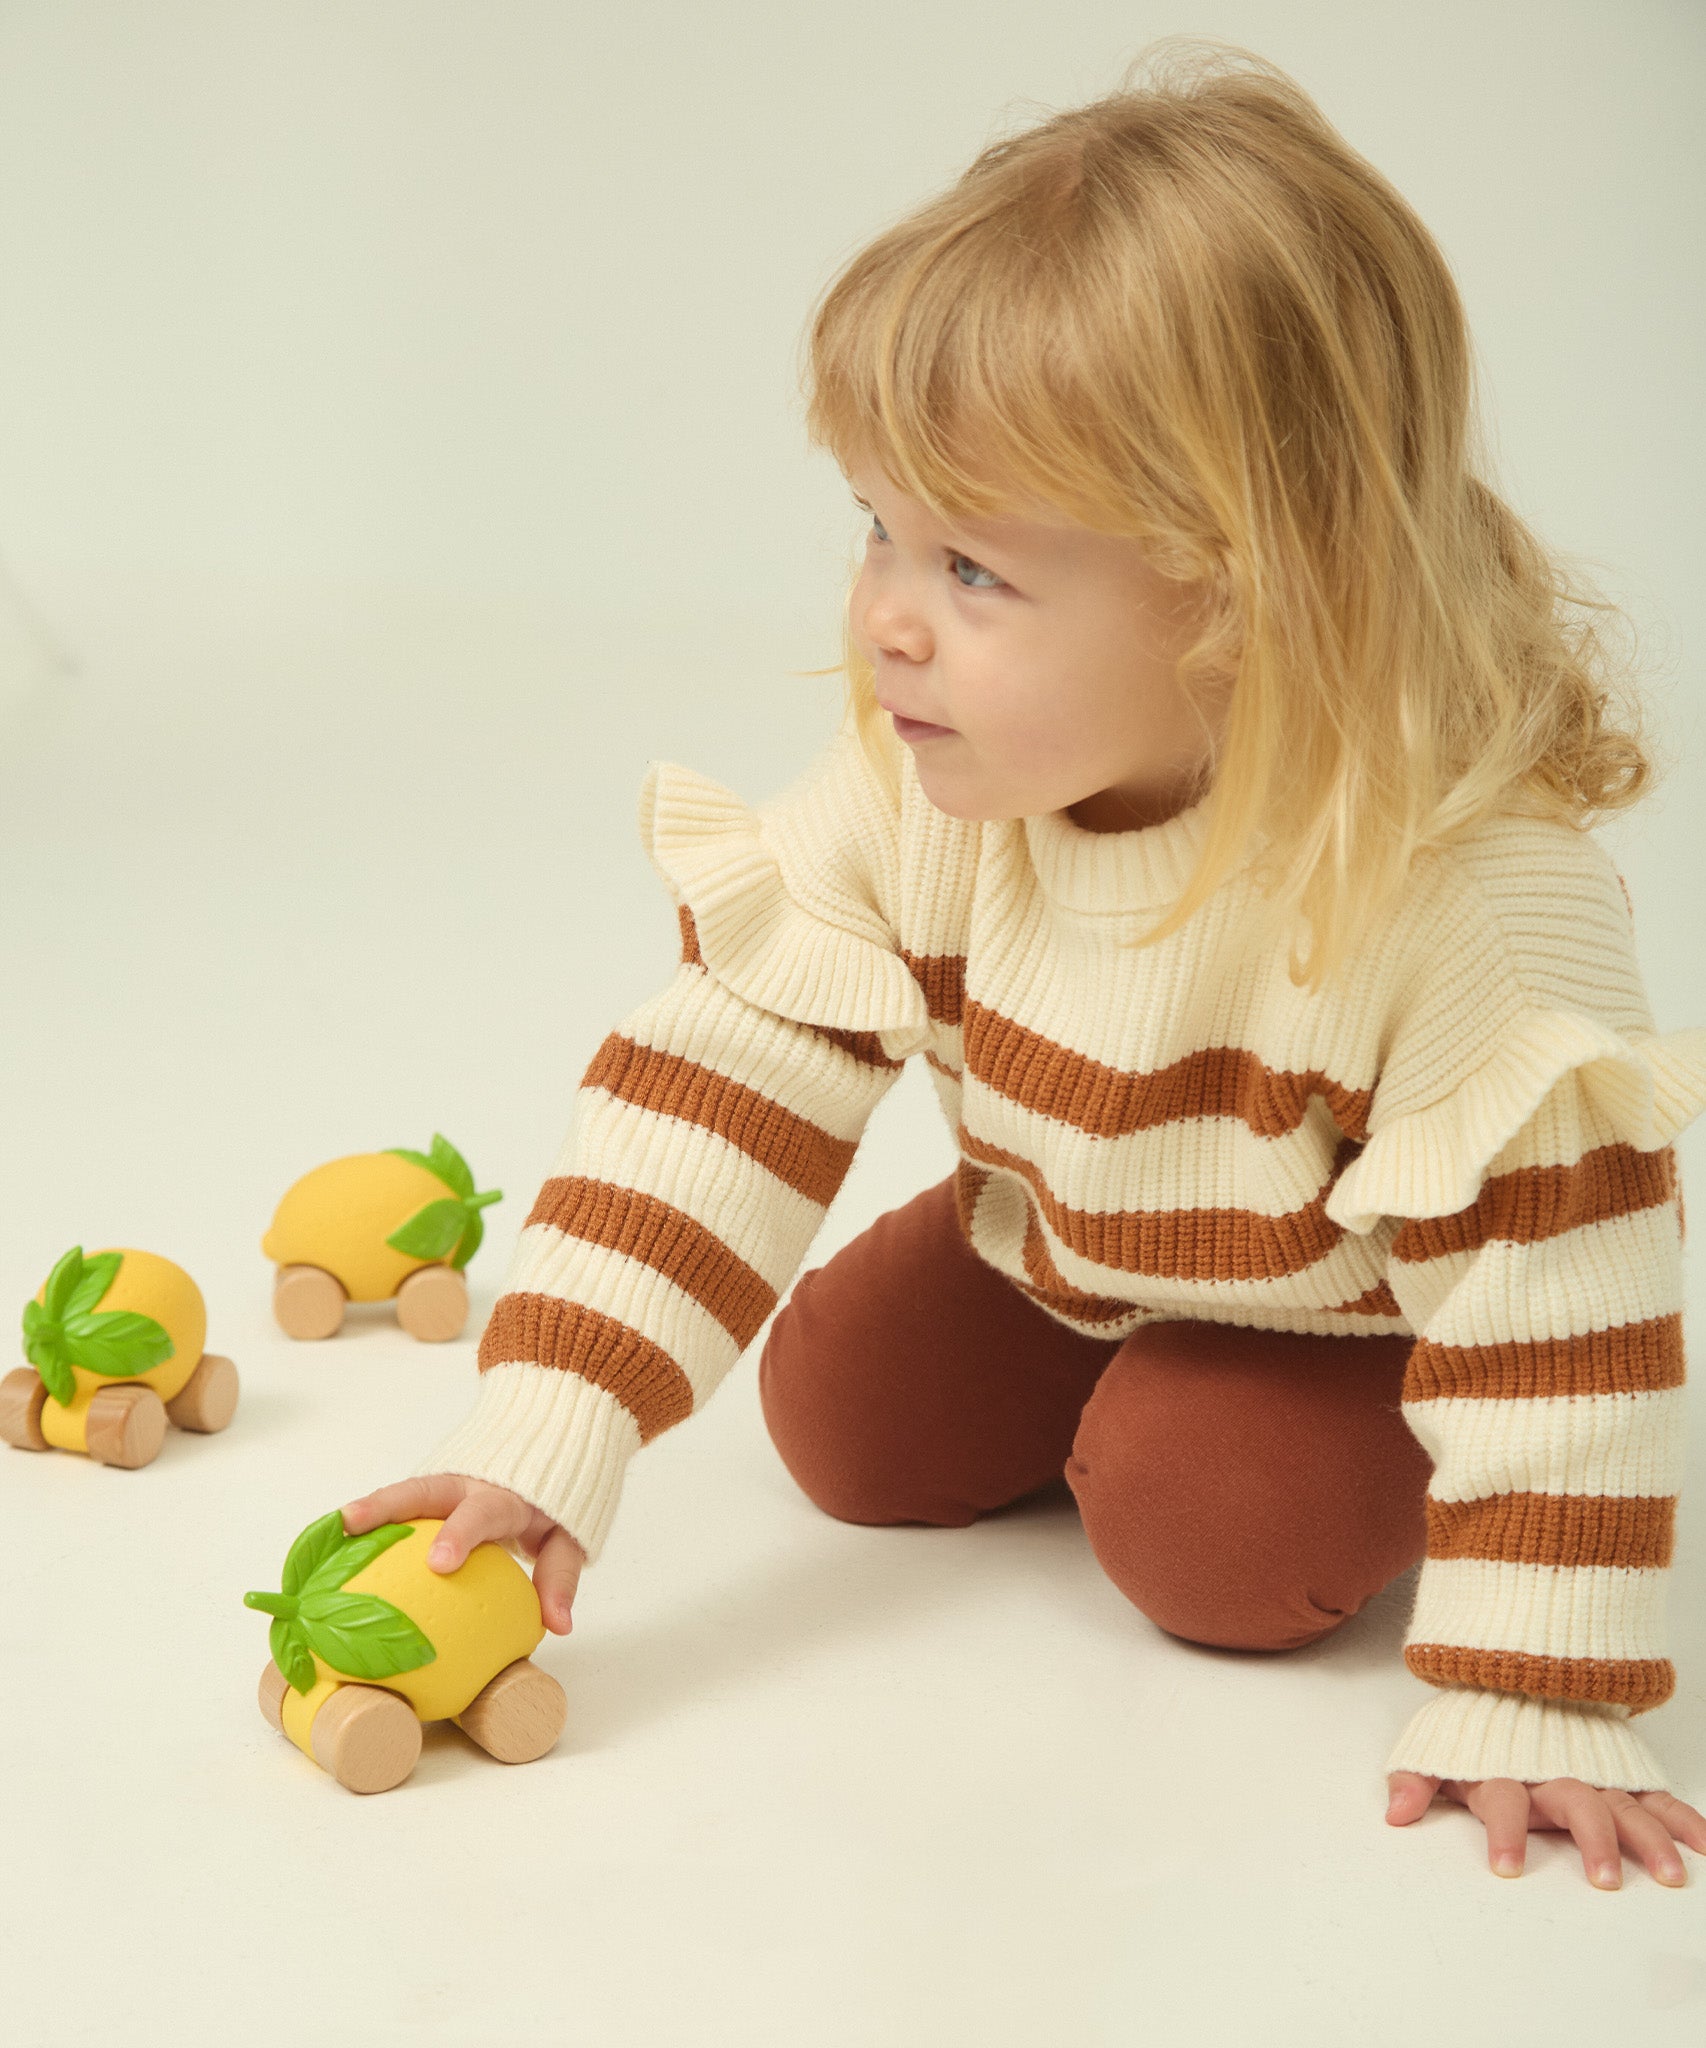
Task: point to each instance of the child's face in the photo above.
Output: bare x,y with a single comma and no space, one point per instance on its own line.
1049,652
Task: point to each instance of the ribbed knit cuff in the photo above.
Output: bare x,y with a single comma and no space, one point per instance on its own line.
552,1437
1462,1732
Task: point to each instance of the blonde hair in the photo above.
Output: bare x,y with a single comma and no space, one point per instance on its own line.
1190,313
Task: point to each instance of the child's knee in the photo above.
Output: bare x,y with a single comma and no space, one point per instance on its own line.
1180,1552
842,1449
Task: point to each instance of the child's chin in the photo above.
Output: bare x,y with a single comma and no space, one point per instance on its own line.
955,797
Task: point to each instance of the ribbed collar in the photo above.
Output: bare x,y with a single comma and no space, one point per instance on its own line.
1114,871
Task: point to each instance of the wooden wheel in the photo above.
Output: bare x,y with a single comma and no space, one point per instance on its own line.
519,1716
432,1305
126,1426
22,1397
308,1302
207,1400
367,1738
274,1686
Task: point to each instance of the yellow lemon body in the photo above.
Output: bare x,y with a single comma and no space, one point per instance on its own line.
339,1216
479,1618
148,1285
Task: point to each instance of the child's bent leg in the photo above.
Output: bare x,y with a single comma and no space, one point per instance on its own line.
1250,1488
906,1381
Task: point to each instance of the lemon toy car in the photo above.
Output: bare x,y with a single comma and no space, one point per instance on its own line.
368,1642
115,1344
378,1226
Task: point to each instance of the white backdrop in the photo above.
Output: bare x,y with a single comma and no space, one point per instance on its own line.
400,446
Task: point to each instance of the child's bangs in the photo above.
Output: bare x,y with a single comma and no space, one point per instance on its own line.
938,362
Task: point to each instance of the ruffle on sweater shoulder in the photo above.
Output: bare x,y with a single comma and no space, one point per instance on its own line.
1432,1161
756,936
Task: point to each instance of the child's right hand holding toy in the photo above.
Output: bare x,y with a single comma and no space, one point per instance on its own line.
474,1511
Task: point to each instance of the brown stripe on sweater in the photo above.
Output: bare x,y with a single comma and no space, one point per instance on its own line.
948,1073
1050,1287
661,1236
1565,1529
1181,1244
1628,1358
791,1147
1224,1080
1639,1683
1378,1300
1537,1202
942,977
1087,1326
567,1336
969,1182
865,1046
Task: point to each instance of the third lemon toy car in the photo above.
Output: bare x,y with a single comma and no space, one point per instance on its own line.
114,1342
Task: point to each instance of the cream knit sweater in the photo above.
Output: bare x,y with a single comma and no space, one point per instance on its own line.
1468,1144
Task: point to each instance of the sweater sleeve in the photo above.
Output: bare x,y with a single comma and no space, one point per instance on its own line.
709,1134
1537,1259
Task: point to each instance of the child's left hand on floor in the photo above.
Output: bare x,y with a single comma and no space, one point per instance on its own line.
1604,1823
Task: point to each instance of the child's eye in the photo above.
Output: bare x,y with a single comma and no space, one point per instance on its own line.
878,529
978,577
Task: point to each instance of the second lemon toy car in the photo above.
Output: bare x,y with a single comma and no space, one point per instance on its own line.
378,1226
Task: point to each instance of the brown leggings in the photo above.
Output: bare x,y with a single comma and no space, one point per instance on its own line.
1245,1488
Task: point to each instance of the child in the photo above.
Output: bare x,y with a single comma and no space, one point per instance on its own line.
1198,632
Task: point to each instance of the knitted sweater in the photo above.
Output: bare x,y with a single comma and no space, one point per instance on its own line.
1467,1142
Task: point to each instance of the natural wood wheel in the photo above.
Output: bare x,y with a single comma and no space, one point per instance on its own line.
22,1396
519,1716
207,1400
126,1426
367,1738
274,1686
433,1304
308,1302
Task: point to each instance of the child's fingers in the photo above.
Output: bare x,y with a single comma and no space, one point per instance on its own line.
1502,1807
1646,1837
556,1574
435,1496
1567,1802
1408,1796
1684,1821
486,1515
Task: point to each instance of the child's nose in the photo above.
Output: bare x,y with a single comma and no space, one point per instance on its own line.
890,626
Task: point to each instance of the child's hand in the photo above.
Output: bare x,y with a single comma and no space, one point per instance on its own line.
1647,1824
474,1511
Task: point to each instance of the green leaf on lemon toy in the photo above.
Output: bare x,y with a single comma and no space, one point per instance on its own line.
451,1167
62,1283
117,1346
451,1227
352,1554
312,1616
63,1330
98,1275
430,1232
443,1162
290,1652
311,1549
361,1635
470,1243
323,1556
45,1349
